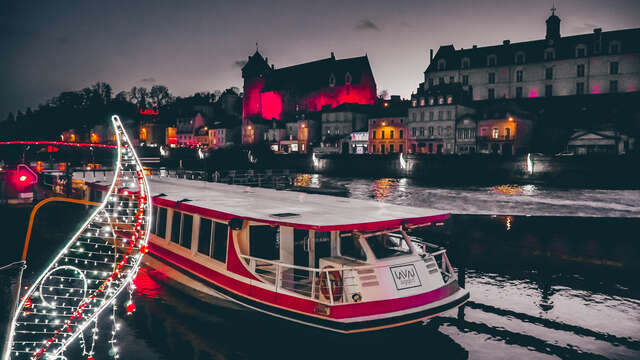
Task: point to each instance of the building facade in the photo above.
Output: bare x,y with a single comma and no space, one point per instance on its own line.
280,94
432,118
596,63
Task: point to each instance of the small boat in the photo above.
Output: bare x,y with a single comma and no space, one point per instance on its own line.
340,264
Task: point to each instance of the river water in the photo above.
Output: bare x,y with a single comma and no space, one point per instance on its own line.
552,274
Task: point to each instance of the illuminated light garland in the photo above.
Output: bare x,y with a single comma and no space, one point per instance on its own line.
96,265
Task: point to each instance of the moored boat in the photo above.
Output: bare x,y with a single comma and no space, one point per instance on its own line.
339,264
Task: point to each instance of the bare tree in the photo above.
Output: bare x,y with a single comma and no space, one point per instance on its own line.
160,95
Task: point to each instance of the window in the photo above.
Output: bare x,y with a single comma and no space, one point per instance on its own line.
440,113
413,131
176,221
332,80
519,74
491,60
442,65
350,247
507,133
548,73
264,242
204,236
614,47
347,79
448,114
613,86
401,134
161,226
548,90
440,100
413,148
519,92
430,130
414,103
187,228
422,131
439,130
440,80
390,148
492,78
613,67
431,115
413,117
491,93
580,70
374,133
580,88
581,51
465,63
449,99
520,58
373,149
549,55
382,134
421,101
421,115
430,148
221,234
388,245
465,79
381,148
154,218
495,133
450,79
391,134
400,148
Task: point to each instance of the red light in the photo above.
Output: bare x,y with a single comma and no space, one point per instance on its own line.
23,178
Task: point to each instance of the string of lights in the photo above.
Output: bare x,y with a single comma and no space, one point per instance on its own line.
86,277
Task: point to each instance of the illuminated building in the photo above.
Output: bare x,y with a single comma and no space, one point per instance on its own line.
224,134
359,142
280,94
152,133
338,123
595,63
171,136
503,128
388,127
432,118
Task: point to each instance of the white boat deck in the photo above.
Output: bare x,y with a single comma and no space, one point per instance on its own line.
260,203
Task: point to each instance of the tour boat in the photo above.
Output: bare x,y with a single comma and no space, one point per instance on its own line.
339,264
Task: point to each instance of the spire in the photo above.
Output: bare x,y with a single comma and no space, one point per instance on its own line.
553,25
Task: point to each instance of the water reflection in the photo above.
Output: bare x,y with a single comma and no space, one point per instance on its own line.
382,188
510,189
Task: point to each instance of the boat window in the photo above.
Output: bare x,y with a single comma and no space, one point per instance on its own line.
187,228
322,243
175,226
388,245
221,234
350,246
154,219
264,242
204,236
161,225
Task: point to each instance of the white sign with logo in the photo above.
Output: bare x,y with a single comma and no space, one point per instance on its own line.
405,276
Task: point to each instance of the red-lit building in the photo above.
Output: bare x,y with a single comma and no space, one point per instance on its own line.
280,94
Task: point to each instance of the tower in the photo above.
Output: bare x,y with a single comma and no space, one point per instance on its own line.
254,73
553,26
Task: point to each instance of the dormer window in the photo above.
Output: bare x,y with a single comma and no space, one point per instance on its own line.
440,100
430,101
421,101
442,65
414,103
347,79
520,59
492,60
614,47
449,99
549,55
466,63
581,51
332,80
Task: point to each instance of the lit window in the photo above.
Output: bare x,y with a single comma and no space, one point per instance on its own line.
496,133
430,101
440,100
414,103
421,101
449,99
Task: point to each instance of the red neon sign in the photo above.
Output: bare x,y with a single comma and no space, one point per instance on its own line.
149,112
60,143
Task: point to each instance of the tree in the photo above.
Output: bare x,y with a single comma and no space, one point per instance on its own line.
160,96
121,97
139,96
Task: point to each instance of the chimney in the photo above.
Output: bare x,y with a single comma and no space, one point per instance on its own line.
333,57
597,30
506,42
430,56
475,46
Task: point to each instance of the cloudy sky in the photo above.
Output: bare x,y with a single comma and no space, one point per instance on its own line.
197,45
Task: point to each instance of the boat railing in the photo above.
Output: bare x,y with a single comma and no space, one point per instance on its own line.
322,285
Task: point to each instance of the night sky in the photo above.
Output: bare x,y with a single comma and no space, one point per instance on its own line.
191,46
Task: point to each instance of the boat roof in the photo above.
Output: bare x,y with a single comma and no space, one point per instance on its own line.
278,207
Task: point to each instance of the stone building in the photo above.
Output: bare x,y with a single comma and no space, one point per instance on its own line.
589,142
503,128
281,94
595,63
432,118
388,127
337,124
